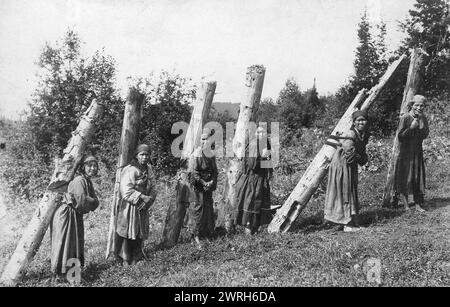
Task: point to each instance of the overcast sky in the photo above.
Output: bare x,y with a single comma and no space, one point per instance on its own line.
214,38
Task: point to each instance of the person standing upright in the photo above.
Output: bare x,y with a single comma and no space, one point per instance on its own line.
67,227
137,194
253,185
203,178
341,199
410,166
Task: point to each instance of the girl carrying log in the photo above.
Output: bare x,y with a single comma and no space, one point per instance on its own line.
137,194
203,178
66,228
341,200
252,187
410,167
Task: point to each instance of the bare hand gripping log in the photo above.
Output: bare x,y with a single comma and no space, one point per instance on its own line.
316,171
412,86
63,174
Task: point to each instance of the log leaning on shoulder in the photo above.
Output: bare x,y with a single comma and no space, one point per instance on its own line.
63,174
316,171
177,210
128,142
413,83
249,106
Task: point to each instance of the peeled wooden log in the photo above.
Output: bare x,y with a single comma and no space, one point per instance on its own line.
254,82
412,86
177,210
128,143
63,174
316,171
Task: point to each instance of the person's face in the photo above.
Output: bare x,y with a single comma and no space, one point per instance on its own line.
204,142
261,133
143,157
361,123
418,107
91,169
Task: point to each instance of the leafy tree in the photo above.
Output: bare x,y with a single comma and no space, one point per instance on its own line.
295,111
381,49
366,57
168,99
268,111
68,83
428,27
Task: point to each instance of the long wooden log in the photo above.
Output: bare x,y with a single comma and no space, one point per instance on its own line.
128,143
63,174
248,108
177,210
412,86
316,171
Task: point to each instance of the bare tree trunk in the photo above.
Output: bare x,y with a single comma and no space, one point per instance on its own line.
177,210
316,171
128,142
63,174
254,82
412,86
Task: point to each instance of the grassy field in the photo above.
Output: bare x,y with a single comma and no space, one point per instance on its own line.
413,248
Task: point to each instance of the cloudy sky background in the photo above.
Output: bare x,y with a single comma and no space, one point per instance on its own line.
214,38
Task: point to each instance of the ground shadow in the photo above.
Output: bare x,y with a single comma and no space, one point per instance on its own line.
311,223
316,222
374,216
93,270
436,203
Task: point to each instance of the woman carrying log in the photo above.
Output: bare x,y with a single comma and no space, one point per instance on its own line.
203,178
252,187
341,200
410,167
137,194
66,228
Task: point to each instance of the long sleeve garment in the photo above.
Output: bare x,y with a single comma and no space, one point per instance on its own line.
410,167
341,199
253,189
131,222
66,228
202,169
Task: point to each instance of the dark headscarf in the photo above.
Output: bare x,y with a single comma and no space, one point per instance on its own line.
359,113
86,160
141,148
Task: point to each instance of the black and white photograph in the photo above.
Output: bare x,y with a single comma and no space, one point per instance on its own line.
224,150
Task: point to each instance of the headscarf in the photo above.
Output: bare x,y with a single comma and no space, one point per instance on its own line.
359,113
141,148
414,99
206,133
89,158
86,160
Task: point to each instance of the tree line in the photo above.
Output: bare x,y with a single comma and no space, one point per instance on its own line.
69,82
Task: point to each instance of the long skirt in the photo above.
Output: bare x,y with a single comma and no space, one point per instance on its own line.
410,174
127,249
201,215
67,237
253,201
341,200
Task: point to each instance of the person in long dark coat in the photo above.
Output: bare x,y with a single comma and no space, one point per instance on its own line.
253,185
137,194
341,200
66,228
410,167
203,178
